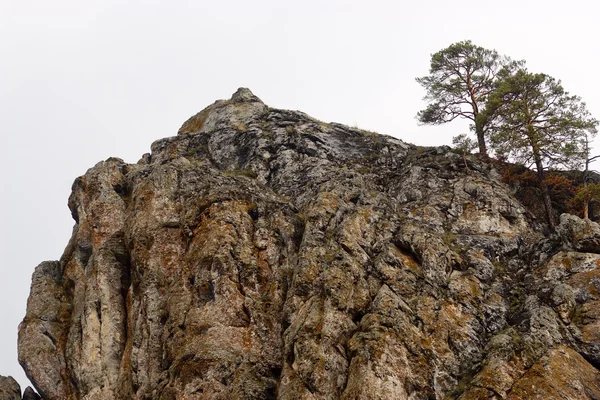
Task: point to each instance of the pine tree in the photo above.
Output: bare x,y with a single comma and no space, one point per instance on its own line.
460,79
537,123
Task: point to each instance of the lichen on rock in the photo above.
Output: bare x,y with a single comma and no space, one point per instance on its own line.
263,254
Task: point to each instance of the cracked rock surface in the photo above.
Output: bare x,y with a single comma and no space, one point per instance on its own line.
263,254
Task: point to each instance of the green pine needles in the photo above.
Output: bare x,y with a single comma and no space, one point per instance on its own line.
523,116
460,79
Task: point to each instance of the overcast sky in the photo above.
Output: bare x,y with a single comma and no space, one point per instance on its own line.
81,81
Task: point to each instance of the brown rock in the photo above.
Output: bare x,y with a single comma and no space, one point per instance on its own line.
263,254
561,374
9,388
29,394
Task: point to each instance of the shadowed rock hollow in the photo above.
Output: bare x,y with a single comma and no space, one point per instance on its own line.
263,254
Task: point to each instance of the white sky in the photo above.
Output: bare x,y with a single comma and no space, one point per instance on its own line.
81,81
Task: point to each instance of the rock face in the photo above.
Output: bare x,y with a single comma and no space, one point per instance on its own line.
262,254
9,388
29,394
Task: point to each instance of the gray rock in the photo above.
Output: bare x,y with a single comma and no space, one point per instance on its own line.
264,254
9,388
42,334
579,234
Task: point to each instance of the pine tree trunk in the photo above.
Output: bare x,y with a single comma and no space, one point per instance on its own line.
480,137
586,203
545,192
548,206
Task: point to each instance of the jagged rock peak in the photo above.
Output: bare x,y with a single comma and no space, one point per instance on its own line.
263,254
244,95
30,394
236,113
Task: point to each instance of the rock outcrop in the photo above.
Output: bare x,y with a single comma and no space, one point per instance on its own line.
263,254
10,390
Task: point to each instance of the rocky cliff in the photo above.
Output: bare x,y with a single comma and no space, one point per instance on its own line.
263,254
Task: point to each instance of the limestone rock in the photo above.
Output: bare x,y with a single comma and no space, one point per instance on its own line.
581,235
264,254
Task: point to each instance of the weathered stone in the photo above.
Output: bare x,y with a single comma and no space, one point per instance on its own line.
561,374
263,254
580,235
30,394
9,388
42,334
